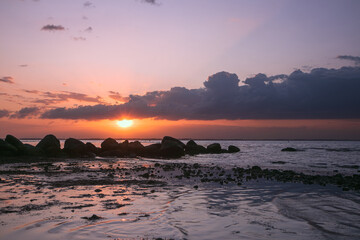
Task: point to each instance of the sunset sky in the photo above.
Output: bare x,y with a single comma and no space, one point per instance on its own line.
270,69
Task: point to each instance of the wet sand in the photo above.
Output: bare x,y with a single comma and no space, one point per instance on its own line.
147,199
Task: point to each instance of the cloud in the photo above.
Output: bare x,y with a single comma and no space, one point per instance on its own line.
31,91
117,96
355,59
89,29
4,113
153,2
51,27
79,38
320,94
58,97
23,65
7,80
26,112
88,4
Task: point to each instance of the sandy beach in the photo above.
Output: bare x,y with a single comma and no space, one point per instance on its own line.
148,199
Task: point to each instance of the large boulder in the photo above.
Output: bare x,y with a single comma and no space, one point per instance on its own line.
214,148
172,147
193,148
30,150
135,147
74,147
152,150
91,148
113,153
233,149
109,144
50,145
6,149
14,141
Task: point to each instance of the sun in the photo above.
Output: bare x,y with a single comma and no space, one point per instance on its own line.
125,123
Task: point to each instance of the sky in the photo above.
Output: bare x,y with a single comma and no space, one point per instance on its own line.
234,69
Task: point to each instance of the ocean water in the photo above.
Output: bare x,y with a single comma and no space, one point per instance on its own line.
34,205
322,157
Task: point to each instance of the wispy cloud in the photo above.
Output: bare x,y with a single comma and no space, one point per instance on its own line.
51,27
117,96
320,94
31,91
355,59
88,4
23,65
154,2
7,80
26,112
64,96
89,29
79,38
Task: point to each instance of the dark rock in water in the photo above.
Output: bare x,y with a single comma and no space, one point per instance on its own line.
233,149
109,144
193,148
214,148
6,149
152,150
91,148
113,153
50,145
14,141
92,218
30,150
289,149
74,147
135,147
174,140
172,147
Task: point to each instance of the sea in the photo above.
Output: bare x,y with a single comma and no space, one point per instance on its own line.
32,208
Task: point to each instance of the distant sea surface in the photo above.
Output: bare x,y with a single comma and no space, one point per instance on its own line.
323,157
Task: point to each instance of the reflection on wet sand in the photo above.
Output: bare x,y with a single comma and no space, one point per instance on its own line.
112,199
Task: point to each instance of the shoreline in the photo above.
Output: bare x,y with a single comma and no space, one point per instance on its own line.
155,171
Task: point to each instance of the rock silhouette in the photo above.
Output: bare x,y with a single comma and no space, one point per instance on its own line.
49,146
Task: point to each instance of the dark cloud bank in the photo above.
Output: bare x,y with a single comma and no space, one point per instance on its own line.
26,112
319,94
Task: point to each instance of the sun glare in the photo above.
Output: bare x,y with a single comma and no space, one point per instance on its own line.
125,123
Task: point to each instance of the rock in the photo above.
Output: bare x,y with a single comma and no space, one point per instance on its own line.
93,217
193,148
91,148
172,147
171,139
50,145
109,144
74,147
30,150
152,150
289,149
135,147
233,149
214,148
6,149
14,141
113,153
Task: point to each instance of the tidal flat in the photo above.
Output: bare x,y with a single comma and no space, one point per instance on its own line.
140,198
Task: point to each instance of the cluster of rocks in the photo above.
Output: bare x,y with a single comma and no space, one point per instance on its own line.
49,146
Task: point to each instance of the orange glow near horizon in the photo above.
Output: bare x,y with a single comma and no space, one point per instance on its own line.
197,129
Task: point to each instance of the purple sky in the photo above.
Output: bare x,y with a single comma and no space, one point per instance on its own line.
66,53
